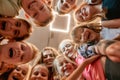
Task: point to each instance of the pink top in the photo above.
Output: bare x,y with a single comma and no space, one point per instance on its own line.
93,71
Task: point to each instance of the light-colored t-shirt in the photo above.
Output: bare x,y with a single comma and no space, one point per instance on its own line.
9,7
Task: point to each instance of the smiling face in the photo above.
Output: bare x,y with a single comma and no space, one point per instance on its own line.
48,57
16,53
19,73
64,67
66,5
38,10
39,72
11,28
83,35
85,13
67,48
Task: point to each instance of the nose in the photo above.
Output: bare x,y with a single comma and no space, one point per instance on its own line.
66,49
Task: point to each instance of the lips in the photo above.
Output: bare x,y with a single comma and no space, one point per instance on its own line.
15,78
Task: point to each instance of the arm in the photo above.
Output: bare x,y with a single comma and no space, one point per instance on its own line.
109,48
76,73
114,23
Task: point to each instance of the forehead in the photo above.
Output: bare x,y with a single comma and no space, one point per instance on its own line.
40,68
47,51
64,43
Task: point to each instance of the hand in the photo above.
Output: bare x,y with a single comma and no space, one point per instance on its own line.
92,58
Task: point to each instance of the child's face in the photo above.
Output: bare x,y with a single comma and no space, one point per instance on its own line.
85,13
64,67
68,50
84,35
19,73
48,57
39,72
66,5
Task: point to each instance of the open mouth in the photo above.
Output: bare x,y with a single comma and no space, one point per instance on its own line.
3,25
15,78
10,52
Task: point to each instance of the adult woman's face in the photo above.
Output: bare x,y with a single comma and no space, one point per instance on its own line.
85,35
11,28
48,58
19,73
85,13
39,72
67,49
37,9
16,53
64,67
66,5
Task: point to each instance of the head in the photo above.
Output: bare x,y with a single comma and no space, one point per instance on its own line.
64,66
15,28
19,73
67,47
38,11
86,13
17,52
39,72
65,6
48,55
86,33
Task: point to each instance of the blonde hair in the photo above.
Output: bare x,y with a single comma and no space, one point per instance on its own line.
64,42
101,14
55,52
96,27
57,60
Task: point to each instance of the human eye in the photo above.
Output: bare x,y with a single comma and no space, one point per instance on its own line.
36,73
24,72
51,55
42,7
23,47
34,15
44,74
18,68
45,56
18,24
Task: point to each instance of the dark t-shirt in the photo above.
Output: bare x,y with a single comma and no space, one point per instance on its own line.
113,8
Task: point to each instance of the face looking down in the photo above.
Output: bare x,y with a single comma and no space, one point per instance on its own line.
39,72
48,58
19,73
64,67
16,53
37,9
65,6
85,13
67,48
83,35
11,28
